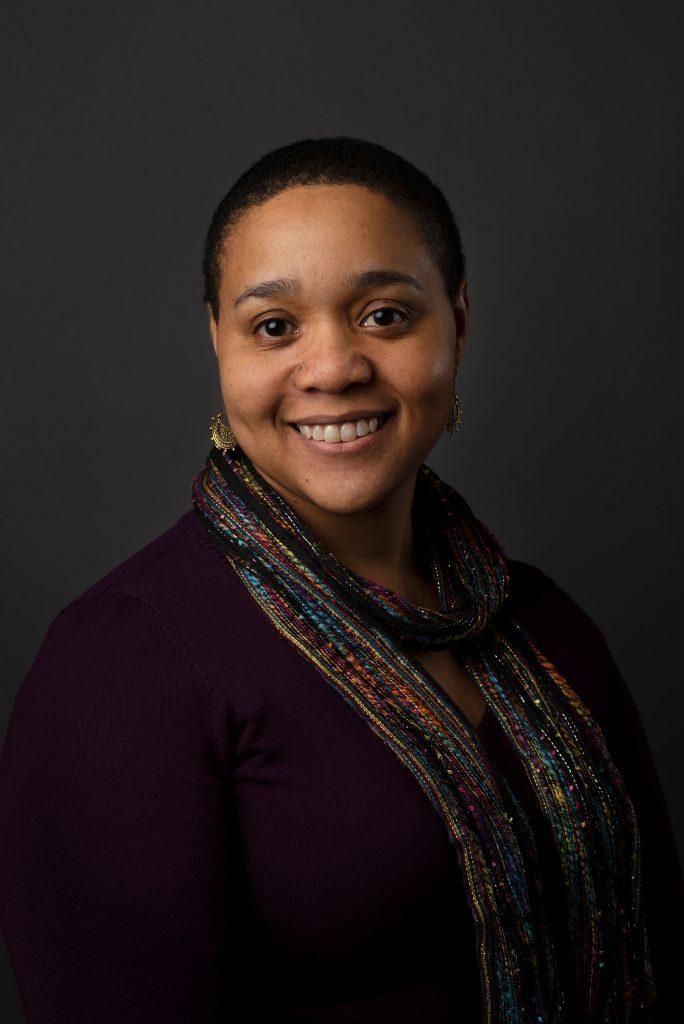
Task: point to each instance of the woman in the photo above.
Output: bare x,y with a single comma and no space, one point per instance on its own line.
321,751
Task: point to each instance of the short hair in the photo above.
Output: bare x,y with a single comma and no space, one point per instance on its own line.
338,160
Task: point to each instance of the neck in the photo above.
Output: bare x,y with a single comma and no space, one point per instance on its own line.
375,542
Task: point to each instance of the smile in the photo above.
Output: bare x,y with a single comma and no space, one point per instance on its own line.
344,438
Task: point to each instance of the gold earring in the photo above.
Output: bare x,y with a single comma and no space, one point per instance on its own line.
456,414
221,433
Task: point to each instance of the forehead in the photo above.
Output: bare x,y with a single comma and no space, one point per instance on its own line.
309,229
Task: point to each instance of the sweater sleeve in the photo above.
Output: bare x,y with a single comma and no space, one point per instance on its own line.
116,857
662,880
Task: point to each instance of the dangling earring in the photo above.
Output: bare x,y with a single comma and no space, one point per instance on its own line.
456,414
221,433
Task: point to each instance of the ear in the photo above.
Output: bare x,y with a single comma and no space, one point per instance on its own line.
464,294
213,328
461,308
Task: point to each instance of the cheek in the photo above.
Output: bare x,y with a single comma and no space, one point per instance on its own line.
250,391
425,379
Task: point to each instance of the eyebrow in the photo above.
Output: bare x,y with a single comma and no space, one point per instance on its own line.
363,279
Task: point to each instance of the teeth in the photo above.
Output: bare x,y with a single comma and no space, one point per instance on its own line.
333,432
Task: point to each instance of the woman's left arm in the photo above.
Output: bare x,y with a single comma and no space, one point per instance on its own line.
662,881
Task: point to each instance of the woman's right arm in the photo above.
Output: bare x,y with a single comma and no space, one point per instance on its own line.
117,890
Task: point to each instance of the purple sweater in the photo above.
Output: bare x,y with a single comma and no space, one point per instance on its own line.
196,827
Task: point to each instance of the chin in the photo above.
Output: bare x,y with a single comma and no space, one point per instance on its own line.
342,505
339,487
346,493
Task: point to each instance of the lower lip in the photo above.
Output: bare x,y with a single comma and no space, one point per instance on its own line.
361,444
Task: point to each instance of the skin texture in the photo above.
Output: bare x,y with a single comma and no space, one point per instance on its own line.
326,354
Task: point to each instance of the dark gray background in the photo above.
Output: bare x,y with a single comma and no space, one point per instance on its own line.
555,131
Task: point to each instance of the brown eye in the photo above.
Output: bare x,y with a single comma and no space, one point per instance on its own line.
273,325
383,316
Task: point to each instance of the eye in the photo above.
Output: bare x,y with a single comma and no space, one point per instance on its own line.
272,323
384,311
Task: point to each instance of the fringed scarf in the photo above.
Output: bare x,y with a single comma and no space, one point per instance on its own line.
358,635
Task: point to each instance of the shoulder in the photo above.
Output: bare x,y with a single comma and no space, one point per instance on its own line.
180,562
171,586
562,629
541,599
113,675
174,618
140,620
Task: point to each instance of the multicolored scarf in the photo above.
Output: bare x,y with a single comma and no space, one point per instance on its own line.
359,636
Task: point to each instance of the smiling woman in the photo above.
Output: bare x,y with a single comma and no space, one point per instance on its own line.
323,751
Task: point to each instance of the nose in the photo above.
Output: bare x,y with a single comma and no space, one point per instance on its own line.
332,359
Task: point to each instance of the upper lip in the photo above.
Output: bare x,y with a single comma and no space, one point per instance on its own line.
347,417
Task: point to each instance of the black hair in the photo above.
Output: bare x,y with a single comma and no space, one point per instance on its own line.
338,160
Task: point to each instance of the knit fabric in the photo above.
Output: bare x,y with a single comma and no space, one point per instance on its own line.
195,829
359,637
